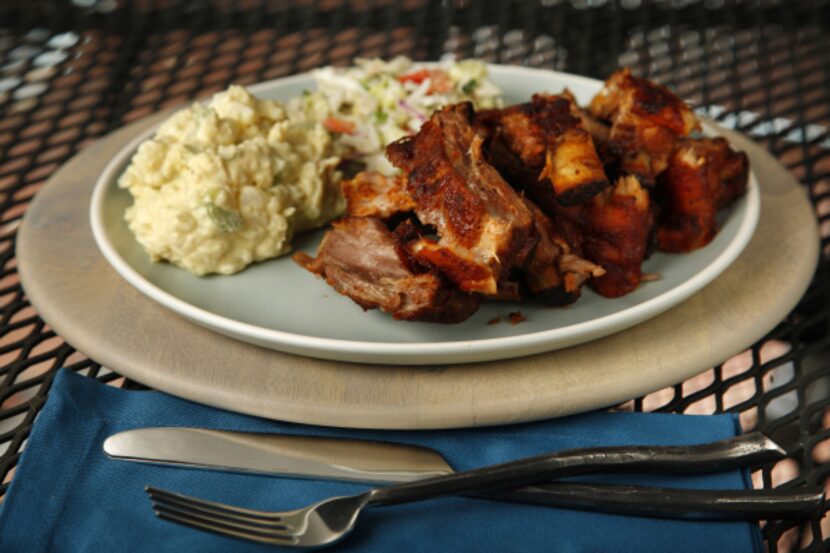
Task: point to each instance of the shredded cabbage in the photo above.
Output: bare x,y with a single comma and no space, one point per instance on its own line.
375,102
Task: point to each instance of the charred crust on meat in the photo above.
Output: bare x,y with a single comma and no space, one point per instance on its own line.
583,193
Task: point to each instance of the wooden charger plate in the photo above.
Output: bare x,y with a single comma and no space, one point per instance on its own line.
86,302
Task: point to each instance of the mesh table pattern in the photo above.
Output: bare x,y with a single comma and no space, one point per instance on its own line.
71,72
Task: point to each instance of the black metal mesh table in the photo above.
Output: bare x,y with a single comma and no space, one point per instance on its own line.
72,71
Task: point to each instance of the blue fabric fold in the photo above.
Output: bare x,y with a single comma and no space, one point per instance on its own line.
68,496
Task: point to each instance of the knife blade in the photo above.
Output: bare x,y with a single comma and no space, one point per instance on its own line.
297,456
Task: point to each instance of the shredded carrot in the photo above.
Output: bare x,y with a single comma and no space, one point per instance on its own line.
333,124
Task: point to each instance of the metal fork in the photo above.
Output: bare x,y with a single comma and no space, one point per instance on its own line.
328,521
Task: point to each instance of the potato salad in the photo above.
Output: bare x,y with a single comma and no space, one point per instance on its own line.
226,184
229,183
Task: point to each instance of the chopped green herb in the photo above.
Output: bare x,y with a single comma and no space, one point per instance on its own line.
381,116
192,149
469,86
306,92
226,219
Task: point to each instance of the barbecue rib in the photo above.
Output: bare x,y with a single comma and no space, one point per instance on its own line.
553,273
360,258
703,176
646,121
618,224
544,147
571,164
372,194
483,226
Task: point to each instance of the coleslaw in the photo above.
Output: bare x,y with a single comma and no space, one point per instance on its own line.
375,102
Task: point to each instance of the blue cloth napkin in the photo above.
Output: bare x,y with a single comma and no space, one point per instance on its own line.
66,495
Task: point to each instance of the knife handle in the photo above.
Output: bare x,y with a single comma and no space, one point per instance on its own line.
754,505
743,450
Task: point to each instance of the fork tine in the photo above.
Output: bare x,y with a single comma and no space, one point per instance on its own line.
210,507
177,506
239,522
225,530
220,518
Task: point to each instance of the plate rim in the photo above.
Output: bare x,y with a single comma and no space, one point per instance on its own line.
420,353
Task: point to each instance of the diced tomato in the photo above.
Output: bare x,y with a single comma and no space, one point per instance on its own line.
416,77
440,80
333,124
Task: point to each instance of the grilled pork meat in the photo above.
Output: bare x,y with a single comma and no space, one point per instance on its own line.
646,121
372,194
544,147
572,164
703,176
361,259
599,130
553,272
620,222
449,231
610,228
614,231
517,145
483,227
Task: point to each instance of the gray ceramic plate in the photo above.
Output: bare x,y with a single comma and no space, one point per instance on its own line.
278,305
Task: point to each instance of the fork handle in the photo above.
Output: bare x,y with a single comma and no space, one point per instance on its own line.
748,449
778,504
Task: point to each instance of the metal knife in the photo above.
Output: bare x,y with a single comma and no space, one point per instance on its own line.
385,462
287,455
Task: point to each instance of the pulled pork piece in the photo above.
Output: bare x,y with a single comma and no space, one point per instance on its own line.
361,259
613,230
372,194
703,176
553,273
544,148
483,226
646,121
